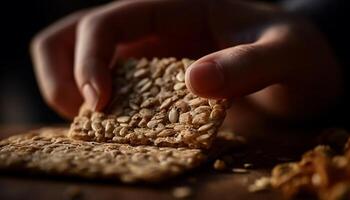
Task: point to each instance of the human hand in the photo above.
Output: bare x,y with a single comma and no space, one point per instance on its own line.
279,64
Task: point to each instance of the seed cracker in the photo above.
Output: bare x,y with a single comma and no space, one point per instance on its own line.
50,151
152,106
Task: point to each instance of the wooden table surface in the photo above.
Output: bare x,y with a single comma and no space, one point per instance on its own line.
205,182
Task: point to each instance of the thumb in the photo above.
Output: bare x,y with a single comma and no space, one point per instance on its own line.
237,71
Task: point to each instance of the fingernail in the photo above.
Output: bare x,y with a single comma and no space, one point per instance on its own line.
90,96
205,78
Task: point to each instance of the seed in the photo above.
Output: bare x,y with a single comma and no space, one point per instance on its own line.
180,76
142,63
160,127
200,119
170,69
149,102
203,137
154,90
166,133
206,127
117,130
135,120
185,118
165,94
123,131
151,134
109,135
123,119
196,102
133,106
142,82
153,123
179,127
173,115
212,102
182,106
146,87
96,126
124,124
159,81
179,86
143,122
146,113
218,107
217,114
140,72
98,134
87,125
186,63
201,109
166,103
109,127
157,73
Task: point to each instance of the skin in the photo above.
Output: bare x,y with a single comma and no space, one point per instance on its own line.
269,62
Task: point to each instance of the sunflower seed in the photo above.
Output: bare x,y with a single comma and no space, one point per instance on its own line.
173,115
179,86
123,119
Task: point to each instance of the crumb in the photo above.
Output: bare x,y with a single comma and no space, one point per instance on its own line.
260,184
182,192
219,165
240,170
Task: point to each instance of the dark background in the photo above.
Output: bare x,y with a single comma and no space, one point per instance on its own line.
20,99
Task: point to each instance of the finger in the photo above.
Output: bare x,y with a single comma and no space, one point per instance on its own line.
52,52
120,22
243,69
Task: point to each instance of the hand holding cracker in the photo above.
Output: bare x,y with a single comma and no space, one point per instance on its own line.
243,48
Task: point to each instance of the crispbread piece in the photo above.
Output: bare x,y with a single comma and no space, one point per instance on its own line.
152,106
50,151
